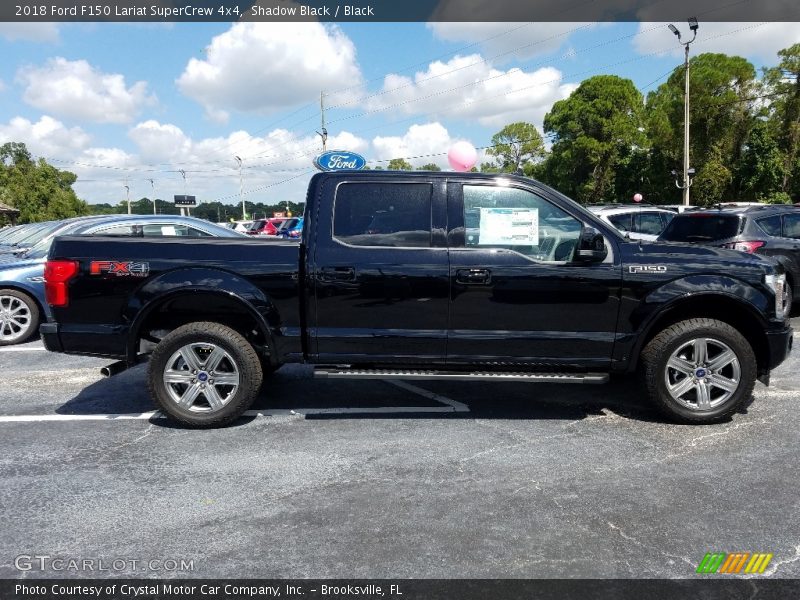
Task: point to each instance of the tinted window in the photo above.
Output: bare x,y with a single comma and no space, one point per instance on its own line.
170,230
621,222
701,227
383,214
666,217
648,222
791,226
519,220
771,225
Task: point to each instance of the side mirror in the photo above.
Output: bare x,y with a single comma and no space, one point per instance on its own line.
591,246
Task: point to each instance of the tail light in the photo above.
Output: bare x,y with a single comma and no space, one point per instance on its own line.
57,274
748,247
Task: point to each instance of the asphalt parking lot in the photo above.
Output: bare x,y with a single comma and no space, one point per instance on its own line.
377,479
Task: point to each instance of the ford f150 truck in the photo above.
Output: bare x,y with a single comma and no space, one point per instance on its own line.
423,276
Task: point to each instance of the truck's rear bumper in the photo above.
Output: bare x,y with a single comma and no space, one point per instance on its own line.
94,340
49,335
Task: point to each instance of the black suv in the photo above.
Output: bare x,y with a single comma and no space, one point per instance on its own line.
770,230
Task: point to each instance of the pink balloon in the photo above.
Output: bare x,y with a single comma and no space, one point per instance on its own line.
638,198
462,156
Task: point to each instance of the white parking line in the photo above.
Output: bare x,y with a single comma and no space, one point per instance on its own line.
106,417
456,406
23,349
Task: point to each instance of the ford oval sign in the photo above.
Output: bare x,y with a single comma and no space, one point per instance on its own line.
339,160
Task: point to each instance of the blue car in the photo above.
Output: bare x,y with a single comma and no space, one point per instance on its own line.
22,301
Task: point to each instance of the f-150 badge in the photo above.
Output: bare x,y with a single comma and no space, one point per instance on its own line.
647,269
119,269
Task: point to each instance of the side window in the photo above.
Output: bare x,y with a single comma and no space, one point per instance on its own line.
649,223
126,230
172,230
383,214
621,222
771,225
519,220
791,226
666,217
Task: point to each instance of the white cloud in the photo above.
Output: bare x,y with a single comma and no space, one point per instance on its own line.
469,88
77,90
30,32
507,41
46,137
2,86
420,140
752,40
264,67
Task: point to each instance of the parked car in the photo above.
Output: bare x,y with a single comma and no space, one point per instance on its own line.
639,222
22,295
27,236
768,229
530,302
266,226
291,228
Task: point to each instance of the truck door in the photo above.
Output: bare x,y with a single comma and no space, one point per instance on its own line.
517,294
379,271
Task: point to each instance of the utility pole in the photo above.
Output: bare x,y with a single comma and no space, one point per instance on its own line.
241,189
153,185
687,172
324,133
185,210
128,194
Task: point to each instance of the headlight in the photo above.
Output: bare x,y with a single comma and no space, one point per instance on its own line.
777,283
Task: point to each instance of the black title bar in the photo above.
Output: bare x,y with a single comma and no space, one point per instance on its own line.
398,10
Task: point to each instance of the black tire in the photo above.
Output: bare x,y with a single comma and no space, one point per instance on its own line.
240,358
19,336
660,349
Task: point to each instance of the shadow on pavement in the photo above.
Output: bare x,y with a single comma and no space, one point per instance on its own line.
293,389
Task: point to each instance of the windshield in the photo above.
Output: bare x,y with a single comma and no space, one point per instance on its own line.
701,227
33,237
22,233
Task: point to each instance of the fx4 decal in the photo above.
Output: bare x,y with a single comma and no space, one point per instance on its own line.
119,269
647,269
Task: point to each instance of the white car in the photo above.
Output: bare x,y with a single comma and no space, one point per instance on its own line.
240,226
639,222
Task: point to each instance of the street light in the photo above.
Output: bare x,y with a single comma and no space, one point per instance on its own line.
687,182
241,189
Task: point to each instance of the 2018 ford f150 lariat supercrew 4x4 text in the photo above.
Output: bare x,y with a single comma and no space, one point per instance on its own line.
425,276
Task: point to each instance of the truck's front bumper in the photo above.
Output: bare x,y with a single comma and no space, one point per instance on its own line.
780,346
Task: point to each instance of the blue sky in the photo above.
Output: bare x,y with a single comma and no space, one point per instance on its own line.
126,103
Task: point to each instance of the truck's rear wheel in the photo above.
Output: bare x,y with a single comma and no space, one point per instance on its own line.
699,370
204,374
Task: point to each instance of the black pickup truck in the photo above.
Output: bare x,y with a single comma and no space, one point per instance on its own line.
423,276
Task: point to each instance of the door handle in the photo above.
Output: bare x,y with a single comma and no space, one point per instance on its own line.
338,273
474,276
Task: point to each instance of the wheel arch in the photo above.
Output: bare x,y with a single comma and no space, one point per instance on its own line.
721,307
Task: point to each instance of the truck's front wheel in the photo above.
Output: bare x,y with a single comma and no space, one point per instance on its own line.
204,374
699,370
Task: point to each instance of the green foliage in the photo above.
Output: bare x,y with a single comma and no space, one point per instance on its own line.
37,189
597,132
399,164
430,167
514,147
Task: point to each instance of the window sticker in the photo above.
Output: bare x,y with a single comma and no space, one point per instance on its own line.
509,227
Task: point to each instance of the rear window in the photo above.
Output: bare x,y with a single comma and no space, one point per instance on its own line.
701,227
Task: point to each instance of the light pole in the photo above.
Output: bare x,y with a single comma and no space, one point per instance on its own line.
241,189
128,196
687,182
153,185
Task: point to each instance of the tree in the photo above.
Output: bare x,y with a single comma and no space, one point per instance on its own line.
782,86
430,167
399,164
597,132
516,146
723,101
37,189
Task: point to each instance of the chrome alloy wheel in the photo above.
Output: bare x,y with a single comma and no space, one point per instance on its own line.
201,377
15,318
702,374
